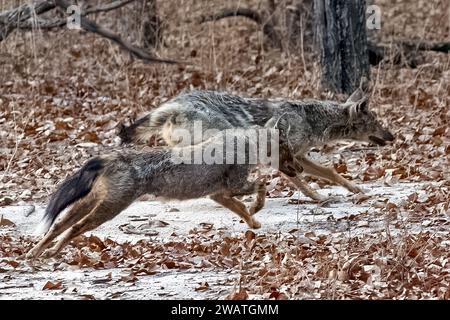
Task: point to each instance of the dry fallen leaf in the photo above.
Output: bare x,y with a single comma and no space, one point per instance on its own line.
52,285
206,226
106,279
129,278
6,223
277,295
157,223
250,235
203,286
240,294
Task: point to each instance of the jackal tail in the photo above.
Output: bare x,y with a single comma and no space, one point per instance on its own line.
72,189
149,125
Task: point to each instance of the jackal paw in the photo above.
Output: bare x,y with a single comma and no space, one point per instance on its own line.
329,200
354,188
31,255
254,224
49,253
318,197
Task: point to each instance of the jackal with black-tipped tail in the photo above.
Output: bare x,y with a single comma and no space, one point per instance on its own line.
306,124
106,185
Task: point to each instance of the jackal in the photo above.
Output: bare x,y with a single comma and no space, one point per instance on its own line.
307,124
106,185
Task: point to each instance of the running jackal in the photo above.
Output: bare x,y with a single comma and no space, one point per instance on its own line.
106,185
306,124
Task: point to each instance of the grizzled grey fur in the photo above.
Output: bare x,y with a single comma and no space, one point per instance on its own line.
107,185
304,124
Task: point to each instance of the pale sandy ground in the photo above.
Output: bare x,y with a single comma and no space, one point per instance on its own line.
277,217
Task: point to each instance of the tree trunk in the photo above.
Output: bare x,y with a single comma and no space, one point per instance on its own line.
151,29
342,42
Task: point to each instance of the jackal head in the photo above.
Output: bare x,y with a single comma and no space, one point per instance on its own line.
363,124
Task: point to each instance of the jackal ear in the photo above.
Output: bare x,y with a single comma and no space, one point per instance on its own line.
362,106
356,96
356,108
361,92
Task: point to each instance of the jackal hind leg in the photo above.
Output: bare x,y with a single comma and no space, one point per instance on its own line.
292,170
79,210
102,213
304,187
258,187
237,207
330,174
260,199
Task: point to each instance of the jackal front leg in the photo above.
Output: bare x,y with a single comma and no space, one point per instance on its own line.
304,187
260,199
292,170
330,174
237,207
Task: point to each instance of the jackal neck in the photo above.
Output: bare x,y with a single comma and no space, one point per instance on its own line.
327,120
340,128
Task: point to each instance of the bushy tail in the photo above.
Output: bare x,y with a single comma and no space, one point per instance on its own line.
149,125
72,189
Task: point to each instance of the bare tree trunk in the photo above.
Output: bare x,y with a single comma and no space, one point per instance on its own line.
151,31
342,42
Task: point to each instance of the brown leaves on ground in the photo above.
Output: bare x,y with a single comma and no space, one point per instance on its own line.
6,223
52,285
376,266
53,119
203,286
240,294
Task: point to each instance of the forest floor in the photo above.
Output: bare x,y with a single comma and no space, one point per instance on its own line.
63,92
199,250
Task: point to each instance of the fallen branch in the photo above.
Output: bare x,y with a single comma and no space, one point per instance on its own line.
58,23
93,27
268,28
108,7
19,19
404,51
10,20
377,52
426,46
239,12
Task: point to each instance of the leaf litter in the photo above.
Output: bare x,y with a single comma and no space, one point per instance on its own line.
52,121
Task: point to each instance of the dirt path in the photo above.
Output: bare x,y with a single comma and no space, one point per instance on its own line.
164,222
